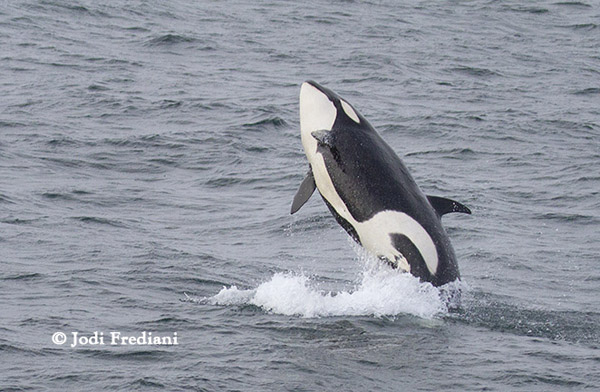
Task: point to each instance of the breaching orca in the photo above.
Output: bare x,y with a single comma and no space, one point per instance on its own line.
369,191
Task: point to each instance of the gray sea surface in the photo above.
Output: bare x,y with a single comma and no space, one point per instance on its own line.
150,151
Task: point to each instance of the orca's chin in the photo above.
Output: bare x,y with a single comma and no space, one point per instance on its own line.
317,112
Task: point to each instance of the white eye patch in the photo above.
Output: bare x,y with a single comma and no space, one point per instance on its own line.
350,112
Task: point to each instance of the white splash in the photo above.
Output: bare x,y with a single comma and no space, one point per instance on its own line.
381,292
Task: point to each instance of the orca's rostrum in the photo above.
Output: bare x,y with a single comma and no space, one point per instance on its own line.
369,191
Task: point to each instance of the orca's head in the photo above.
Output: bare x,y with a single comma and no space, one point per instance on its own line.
320,109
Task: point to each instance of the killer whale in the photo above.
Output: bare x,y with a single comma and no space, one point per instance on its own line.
369,190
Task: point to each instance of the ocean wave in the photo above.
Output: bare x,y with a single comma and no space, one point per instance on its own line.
276,122
475,71
99,221
169,39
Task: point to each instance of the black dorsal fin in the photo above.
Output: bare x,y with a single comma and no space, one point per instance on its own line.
444,206
304,193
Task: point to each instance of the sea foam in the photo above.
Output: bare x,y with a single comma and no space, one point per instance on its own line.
380,292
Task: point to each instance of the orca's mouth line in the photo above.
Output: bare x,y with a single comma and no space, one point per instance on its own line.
333,97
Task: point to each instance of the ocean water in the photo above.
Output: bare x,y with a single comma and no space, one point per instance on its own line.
150,151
